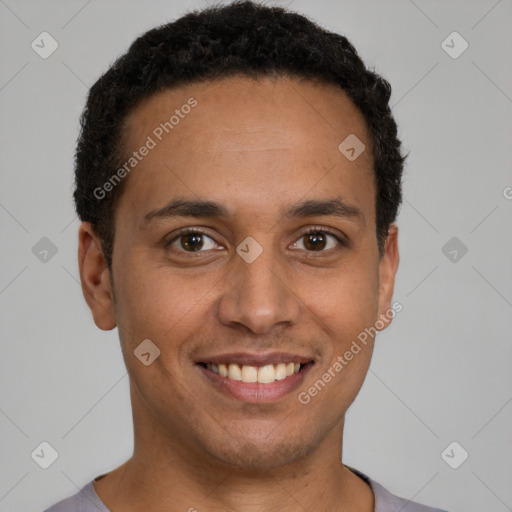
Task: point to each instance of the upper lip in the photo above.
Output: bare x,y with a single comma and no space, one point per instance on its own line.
255,359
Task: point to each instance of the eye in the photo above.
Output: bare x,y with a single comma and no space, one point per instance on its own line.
317,240
190,240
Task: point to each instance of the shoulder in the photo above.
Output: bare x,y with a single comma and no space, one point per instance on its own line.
388,502
85,500
385,501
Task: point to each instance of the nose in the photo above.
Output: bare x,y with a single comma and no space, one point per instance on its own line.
259,296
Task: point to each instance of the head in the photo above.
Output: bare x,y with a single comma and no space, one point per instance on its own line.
243,110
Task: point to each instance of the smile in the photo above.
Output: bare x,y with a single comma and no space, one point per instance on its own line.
255,379
262,374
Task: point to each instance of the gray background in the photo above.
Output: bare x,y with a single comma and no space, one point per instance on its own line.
440,373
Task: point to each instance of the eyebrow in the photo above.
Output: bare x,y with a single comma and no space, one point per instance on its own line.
210,209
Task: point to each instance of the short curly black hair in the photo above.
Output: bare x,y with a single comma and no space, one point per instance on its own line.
240,38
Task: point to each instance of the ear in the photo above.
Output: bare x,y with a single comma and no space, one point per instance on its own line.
388,267
95,278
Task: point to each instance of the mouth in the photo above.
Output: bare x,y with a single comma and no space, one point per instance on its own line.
248,374
256,378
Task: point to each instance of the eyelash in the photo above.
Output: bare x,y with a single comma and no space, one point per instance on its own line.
310,231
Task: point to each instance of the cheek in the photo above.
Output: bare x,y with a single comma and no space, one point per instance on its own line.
160,305
337,386
346,308
346,301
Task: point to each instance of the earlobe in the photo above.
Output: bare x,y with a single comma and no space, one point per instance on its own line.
95,278
388,267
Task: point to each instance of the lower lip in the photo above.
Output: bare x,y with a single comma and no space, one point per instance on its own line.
256,392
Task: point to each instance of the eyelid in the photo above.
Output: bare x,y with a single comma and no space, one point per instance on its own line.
325,229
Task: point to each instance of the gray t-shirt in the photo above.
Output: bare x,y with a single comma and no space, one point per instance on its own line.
86,500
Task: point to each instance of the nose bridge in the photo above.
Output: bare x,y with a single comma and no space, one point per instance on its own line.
257,294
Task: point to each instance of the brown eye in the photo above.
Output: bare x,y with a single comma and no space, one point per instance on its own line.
319,240
191,240
315,241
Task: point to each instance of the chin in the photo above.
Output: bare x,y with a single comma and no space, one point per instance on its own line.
256,452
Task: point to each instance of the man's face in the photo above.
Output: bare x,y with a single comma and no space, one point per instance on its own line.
257,149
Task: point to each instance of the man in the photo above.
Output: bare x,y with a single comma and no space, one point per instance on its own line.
237,177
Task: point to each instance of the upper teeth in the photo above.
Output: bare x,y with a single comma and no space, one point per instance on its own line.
262,374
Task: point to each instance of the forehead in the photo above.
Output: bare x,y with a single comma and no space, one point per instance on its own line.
240,103
250,142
